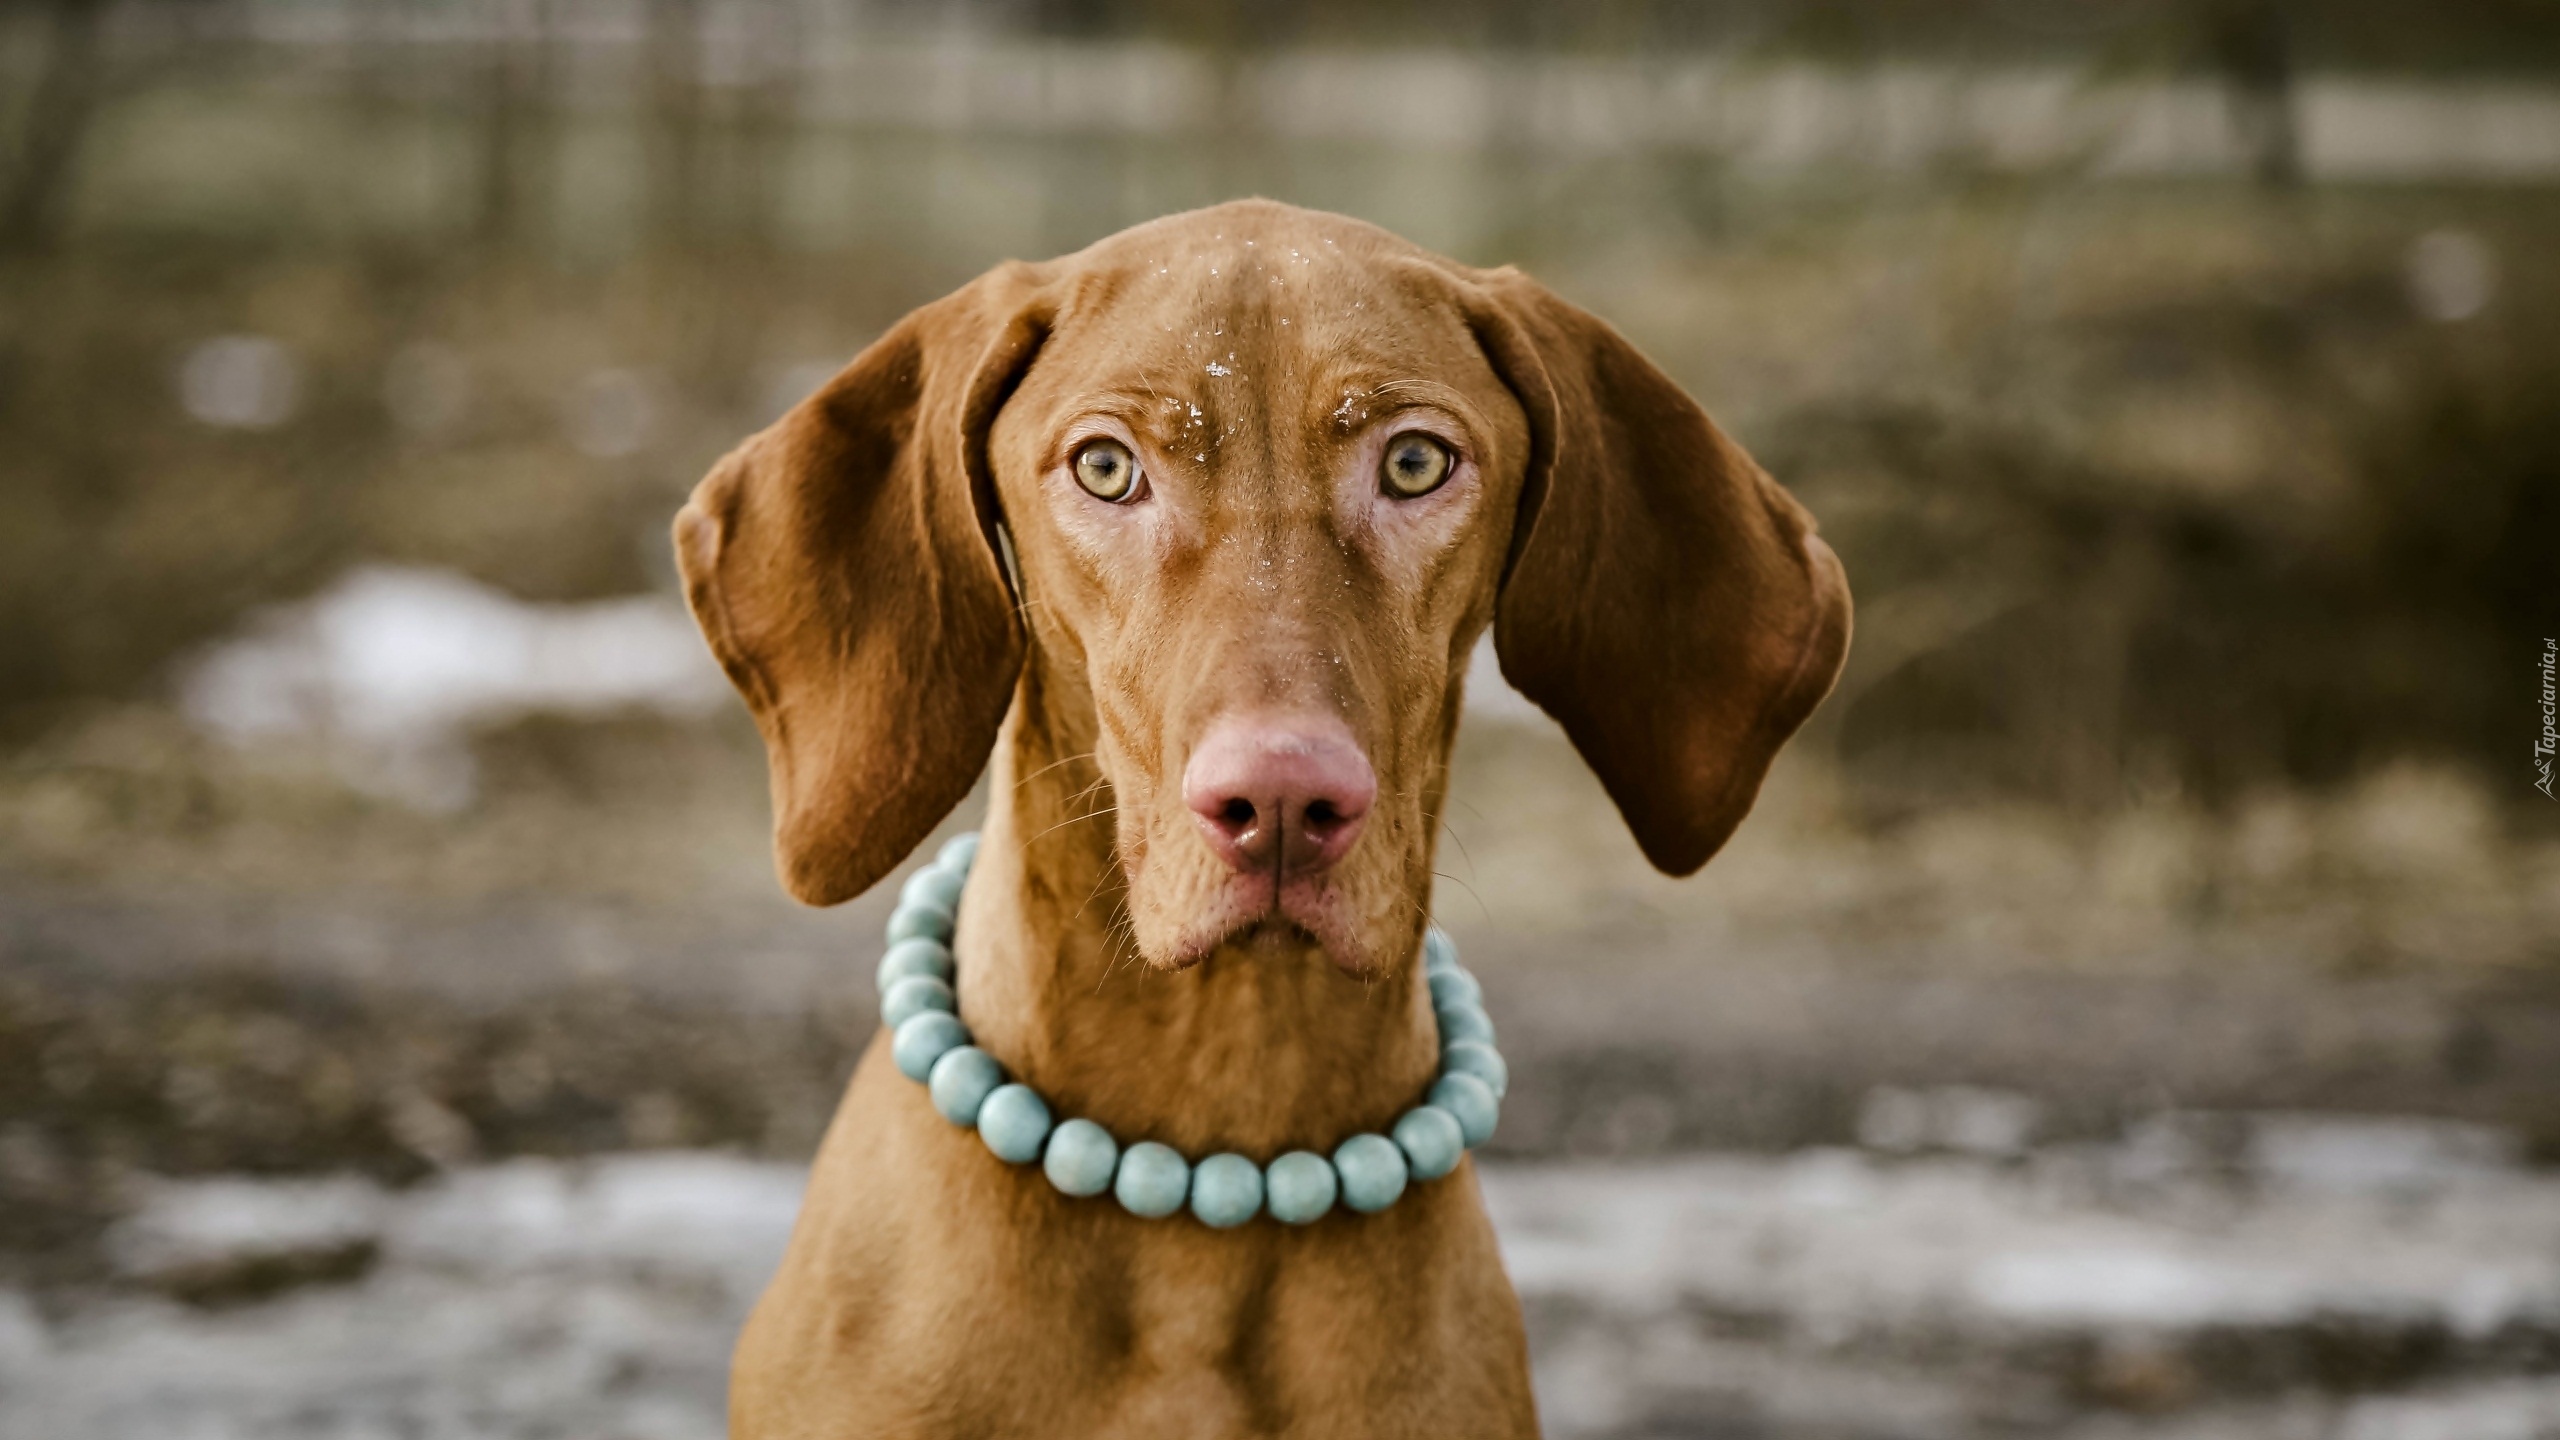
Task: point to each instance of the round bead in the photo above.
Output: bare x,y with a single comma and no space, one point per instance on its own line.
1372,1171
934,888
1432,1141
1153,1180
1080,1158
1439,952
1455,987
1474,1057
923,1040
1014,1122
1464,1022
1471,1101
919,922
958,852
912,996
1300,1187
961,1081
915,957
1226,1191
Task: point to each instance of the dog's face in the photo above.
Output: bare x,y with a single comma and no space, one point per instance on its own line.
1267,475
1261,490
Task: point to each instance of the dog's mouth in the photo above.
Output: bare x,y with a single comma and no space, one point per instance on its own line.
1266,916
1272,934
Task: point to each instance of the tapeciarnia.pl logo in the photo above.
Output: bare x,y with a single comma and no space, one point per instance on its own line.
2549,741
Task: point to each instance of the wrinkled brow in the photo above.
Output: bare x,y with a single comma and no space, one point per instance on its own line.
1350,399
1169,418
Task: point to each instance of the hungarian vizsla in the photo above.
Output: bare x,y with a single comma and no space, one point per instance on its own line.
1189,536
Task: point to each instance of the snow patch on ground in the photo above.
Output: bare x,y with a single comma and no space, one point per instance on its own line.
392,667
1789,1295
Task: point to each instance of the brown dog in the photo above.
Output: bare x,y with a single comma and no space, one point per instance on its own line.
1265,476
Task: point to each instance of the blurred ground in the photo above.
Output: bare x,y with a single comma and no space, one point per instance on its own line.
2320,1278
2134,1008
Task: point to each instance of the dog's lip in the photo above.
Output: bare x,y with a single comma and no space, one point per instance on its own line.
1316,908
1252,906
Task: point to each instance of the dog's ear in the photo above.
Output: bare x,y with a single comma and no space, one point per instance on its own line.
1664,599
844,566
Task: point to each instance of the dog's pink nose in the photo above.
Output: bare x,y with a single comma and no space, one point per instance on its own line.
1286,793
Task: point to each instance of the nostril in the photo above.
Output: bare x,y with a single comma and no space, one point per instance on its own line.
1285,791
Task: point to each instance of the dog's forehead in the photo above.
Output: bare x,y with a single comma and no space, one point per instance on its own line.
1276,298
1260,240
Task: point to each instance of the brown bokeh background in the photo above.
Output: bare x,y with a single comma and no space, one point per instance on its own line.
2180,385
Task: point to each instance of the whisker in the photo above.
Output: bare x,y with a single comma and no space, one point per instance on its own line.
1052,765
1471,893
1455,839
1070,820
1105,878
1123,933
1420,909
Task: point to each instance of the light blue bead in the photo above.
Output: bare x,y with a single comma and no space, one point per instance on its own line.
924,1039
915,957
1432,1141
914,995
1472,1102
1464,1022
1455,987
1153,1180
1474,1057
961,1081
1014,1122
1439,952
1372,1171
934,888
1080,1158
1300,1187
958,852
919,922
1226,1191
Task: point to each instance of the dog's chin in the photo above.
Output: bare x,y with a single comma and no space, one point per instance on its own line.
1242,913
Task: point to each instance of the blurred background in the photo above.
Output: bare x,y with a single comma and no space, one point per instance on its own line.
2133,1011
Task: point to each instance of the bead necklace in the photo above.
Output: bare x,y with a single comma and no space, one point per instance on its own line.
1367,1173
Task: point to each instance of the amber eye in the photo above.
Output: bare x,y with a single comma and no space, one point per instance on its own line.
1415,464
1107,470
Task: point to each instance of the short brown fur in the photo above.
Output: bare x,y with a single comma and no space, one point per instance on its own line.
1646,583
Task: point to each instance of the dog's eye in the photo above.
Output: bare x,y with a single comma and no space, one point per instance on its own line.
1107,470
1415,465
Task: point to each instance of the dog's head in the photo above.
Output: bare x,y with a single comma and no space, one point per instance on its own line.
1265,475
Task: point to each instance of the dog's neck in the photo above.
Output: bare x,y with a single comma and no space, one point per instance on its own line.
1261,1048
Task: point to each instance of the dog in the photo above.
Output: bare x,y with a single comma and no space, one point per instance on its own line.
1186,540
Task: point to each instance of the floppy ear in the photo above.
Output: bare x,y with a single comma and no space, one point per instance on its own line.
1665,600
843,565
